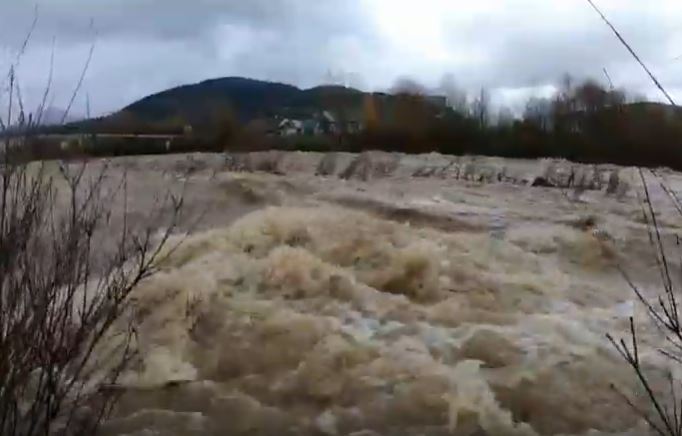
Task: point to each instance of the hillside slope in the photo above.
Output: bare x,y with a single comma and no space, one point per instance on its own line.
240,99
243,99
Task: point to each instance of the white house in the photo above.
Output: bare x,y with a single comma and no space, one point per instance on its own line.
289,127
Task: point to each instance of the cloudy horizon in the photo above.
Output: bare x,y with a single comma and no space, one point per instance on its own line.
514,48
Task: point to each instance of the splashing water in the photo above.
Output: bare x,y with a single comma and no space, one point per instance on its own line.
325,320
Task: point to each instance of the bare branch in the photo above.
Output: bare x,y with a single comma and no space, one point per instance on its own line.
57,307
608,78
632,52
84,71
48,87
27,39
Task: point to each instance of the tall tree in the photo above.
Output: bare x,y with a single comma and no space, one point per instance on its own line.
457,98
481,108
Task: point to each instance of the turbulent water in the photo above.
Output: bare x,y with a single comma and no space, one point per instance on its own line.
394,306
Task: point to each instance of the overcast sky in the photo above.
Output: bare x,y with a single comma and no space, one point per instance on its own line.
515,48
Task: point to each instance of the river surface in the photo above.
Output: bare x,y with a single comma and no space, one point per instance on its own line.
393,304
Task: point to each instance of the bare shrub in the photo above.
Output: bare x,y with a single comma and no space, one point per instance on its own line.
580,186
425,171
665,416
597,181
188,166
63,296
328,165
369,165
60,297
613,183
359,168
268,161
469,171
238,162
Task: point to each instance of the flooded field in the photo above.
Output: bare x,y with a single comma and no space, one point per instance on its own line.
405,295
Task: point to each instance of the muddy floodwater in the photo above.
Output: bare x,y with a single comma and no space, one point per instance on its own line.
419,295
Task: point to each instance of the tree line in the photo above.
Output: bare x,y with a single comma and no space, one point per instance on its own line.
582,121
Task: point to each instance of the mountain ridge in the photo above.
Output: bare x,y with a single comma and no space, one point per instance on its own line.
246,98
239,99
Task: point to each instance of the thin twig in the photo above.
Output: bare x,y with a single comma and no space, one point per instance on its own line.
633,53
84,71
48,87
608,78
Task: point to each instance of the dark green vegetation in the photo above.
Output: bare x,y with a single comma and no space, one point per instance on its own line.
219,101
583,122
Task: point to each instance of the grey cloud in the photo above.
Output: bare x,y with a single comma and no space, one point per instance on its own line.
541,49
144,46
69,19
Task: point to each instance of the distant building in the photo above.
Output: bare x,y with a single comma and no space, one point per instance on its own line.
311,127
289,127
322,123
326,124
